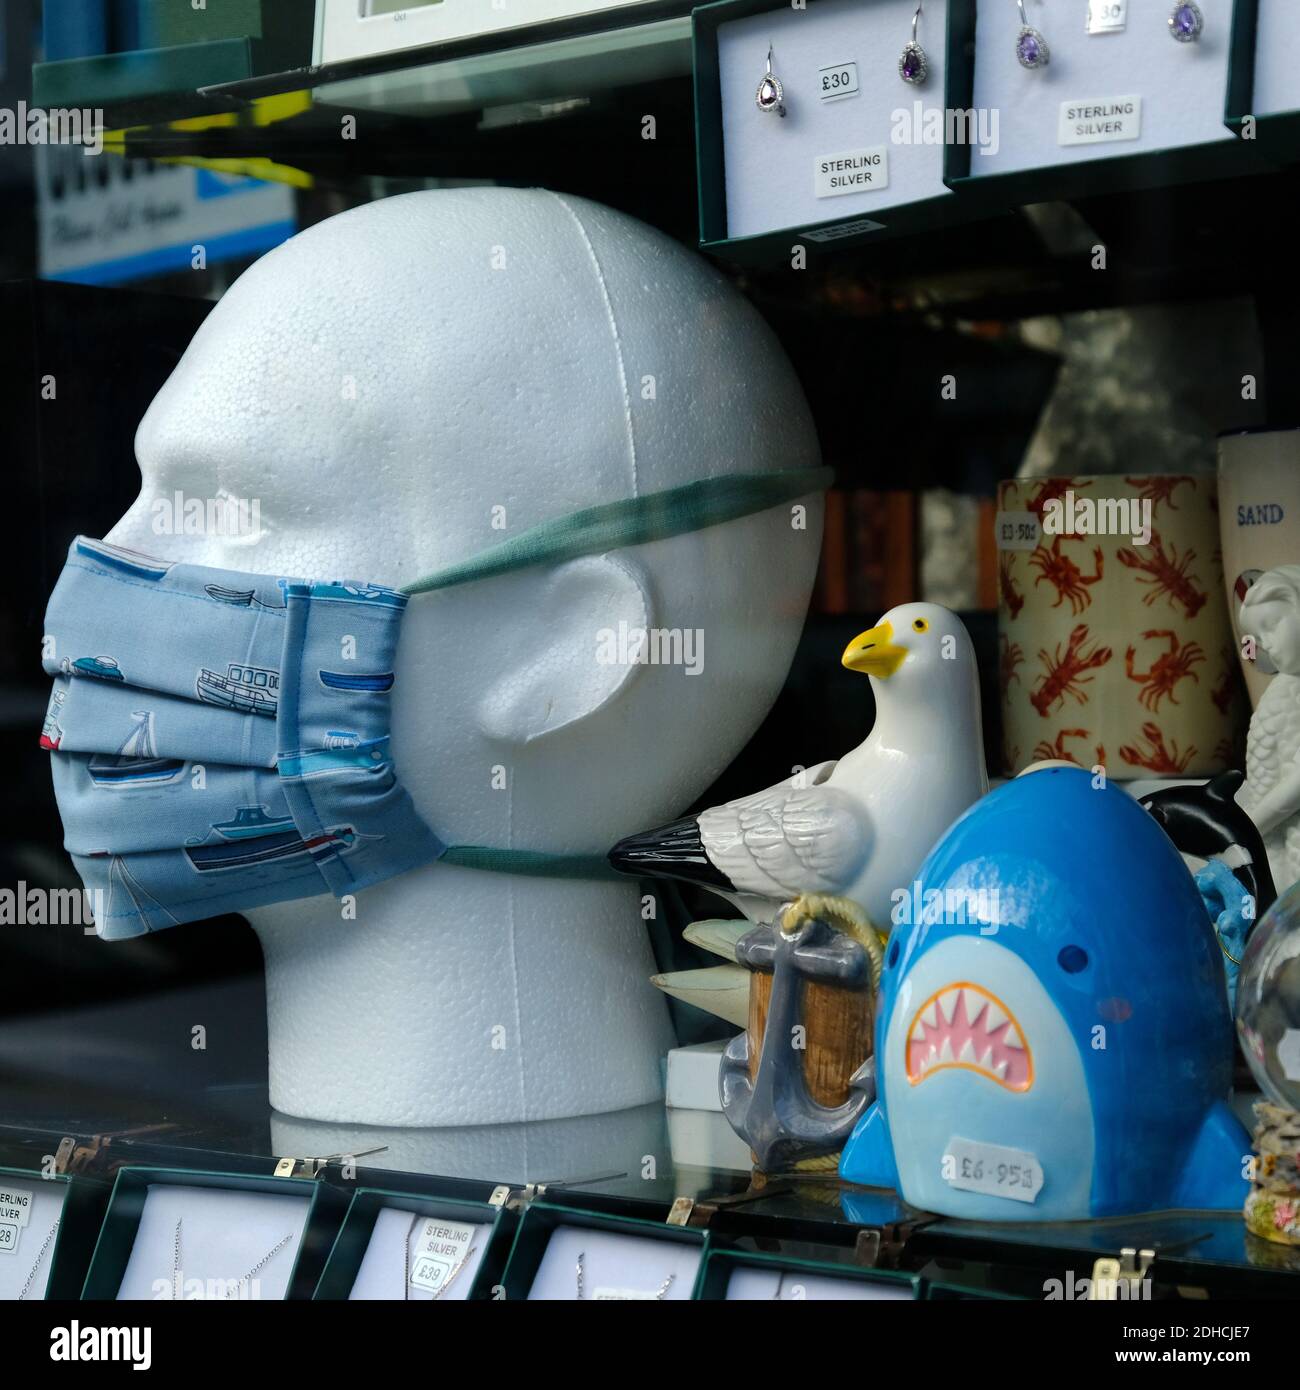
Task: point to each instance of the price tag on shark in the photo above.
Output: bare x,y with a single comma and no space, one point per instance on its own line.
438,1251
1017,531
993,1170
16,1205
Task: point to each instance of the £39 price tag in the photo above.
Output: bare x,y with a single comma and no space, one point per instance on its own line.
992,1170
1017,531
437,1250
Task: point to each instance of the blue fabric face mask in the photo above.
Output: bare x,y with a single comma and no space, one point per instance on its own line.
220,740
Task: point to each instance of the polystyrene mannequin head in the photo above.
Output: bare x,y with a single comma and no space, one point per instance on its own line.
411,382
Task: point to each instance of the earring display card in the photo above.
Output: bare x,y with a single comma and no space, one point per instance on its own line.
1277,46
749,1283
212,1243
30,1213
415,1257
856,139
614,1267
1106,92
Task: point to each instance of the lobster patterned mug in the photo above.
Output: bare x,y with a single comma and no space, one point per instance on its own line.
1115,644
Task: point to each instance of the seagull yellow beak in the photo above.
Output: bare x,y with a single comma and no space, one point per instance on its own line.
874,652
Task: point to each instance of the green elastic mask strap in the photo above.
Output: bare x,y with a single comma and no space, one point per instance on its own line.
531,863
632,521
593,531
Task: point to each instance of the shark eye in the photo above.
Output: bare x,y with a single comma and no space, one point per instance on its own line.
920,625
1072,959
893,955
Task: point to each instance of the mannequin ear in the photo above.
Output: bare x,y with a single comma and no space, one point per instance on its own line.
566,660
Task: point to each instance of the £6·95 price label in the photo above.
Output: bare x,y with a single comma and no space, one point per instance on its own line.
992,1170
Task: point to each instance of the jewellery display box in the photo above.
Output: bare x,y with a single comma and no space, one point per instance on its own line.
1268,89
859,152
235,1228
1110,108
462,1251
347,29
621,1257
743,1275
48,1228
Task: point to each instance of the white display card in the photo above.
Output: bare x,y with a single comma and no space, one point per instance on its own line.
838,63
29,1210
750,1284
442,1249
1277,48
224,1234
614,1266
1168,95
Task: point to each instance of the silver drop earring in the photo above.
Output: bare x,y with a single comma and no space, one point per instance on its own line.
1031,46
913,66
1186,22
770,95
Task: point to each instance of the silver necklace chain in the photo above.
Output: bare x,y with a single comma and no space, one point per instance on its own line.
252,1273
31,1278
660,1294
448,1281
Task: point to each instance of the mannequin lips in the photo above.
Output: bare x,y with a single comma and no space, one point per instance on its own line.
964,1025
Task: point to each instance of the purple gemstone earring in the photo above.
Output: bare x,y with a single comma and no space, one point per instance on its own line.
770,95
913,66
1031,46
1186,21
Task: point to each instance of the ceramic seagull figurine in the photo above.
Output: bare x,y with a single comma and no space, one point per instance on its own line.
860,826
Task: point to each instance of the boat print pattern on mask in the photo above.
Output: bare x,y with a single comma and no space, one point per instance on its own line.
137,762
245,689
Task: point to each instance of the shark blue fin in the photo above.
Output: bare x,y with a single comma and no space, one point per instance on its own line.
868,1157
1214,1176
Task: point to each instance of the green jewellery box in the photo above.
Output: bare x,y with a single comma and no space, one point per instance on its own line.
608,1271
859,153
117,1237
48,1227
1264,99
748,1275
483,1269
1112,109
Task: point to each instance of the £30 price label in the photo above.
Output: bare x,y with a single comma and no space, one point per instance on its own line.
838,80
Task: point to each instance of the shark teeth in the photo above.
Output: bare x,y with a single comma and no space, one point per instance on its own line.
965,1026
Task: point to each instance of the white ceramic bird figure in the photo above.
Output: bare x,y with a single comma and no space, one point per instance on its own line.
858,827
1270,613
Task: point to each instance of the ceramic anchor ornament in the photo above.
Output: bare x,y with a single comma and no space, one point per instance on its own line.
772,1108
1066,1054
855,827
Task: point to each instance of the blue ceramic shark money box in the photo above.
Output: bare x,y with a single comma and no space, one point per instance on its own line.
1053,1040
